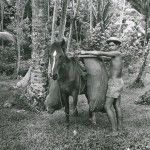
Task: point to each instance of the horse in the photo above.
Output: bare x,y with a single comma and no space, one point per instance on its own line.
67,72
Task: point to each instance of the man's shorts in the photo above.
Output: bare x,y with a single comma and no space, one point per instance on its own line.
115,87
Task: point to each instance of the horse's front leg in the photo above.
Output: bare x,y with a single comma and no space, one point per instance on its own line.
75,100
66,100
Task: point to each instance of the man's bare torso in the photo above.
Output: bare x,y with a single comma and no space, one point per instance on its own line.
116,67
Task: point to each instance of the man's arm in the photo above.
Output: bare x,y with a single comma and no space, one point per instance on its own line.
101,53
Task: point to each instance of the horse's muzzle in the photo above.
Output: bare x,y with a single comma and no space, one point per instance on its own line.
53,76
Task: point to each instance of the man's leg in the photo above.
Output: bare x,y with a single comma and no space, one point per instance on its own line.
117,106
111,113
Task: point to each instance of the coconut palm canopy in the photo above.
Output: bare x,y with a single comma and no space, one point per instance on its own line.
6,2
6,36
142,6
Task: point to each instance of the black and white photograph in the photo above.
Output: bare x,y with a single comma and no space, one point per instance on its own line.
74,74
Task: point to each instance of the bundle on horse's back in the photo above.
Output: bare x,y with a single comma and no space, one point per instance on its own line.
97,80
53,99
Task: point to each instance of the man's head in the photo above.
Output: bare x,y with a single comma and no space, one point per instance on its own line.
113,43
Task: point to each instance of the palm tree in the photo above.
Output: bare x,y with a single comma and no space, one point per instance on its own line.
143,7
56,4
91,16
36,90
6,2
2,17
103,13
72,24
63,19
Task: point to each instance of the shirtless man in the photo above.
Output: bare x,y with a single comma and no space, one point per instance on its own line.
115,83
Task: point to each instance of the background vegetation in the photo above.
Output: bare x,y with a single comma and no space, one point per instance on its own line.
28,28
109,18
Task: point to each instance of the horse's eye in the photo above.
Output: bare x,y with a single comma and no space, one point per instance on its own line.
60,57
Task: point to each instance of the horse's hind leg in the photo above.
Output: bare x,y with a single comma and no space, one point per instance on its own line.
75,100
92,115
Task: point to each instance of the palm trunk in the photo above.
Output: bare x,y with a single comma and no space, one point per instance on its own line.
18,54
76,30
121,17
49,2
138,81
98,11
18,6
53,28
63,19
38,81
91,17
71,26
54,20
2,20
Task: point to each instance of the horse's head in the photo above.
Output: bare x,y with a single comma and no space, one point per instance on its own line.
57,57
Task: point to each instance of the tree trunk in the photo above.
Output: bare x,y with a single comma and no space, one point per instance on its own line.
121,18
2,19
48,12
36,90
98,11
53,28
71,25
54,20
100,15
18,18
63,19
20,5
76,30
91,17
138,81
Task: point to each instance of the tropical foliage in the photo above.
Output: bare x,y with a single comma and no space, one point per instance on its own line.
109,18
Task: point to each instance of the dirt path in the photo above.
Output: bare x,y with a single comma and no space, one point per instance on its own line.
22,130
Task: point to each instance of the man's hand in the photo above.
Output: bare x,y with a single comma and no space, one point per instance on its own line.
82,52
77,52
70,54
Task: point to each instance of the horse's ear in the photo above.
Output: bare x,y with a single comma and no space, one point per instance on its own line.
63,45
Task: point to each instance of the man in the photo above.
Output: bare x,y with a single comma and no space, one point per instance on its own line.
115,83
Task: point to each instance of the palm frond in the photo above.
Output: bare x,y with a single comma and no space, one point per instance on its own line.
6,2
106,10
107,20
142,6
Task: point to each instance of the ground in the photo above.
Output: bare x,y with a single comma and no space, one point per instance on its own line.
23,130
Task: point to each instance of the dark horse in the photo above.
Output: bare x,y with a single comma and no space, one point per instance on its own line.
67,72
